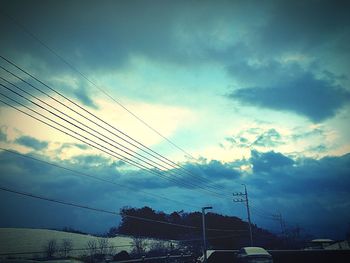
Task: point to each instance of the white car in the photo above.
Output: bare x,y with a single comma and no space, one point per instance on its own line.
254,255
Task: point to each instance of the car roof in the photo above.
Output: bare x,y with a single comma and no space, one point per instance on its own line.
320,240
255,251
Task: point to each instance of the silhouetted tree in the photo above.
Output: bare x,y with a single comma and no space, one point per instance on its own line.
139,246
91,247
50,248
103,246
66,247
237,237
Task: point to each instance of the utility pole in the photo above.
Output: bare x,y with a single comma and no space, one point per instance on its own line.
204,238
279,218
244,198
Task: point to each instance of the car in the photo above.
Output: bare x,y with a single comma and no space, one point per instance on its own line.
253,255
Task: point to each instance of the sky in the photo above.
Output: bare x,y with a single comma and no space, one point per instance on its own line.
242,92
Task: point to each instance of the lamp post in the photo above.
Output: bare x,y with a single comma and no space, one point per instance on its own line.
204,238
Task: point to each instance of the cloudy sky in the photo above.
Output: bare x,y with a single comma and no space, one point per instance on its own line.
245,91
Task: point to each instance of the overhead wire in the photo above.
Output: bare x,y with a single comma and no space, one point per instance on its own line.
54,127
107,150
104,140
82,108
36,38
82,129
79,122
25,29
99,146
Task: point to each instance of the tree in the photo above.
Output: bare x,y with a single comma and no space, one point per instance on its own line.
159,248
66,247
91,247
139,246
216,239
50,248
103,246
112,250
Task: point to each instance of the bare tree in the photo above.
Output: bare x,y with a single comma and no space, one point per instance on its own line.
91,246
112,250
66,247
50,248
102,246
158,248
139,246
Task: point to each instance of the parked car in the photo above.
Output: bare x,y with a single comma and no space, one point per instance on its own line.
253,255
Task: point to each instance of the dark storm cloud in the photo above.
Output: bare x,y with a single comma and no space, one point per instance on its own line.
31,142
316,30
327,175
305,25
316,99
265,162
294,178
213,170
316,189
91,33
104,35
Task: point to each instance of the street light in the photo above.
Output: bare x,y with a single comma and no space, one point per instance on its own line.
204,239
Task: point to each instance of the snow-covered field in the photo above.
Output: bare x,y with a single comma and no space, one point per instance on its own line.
23,240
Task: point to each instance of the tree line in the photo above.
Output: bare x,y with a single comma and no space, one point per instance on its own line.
217,226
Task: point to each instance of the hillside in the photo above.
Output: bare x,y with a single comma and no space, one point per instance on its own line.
30,242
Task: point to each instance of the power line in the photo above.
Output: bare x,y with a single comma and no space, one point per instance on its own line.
32,35
91,114
83,129
73,136
66,115
93,144
25,29
63,118
66,106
